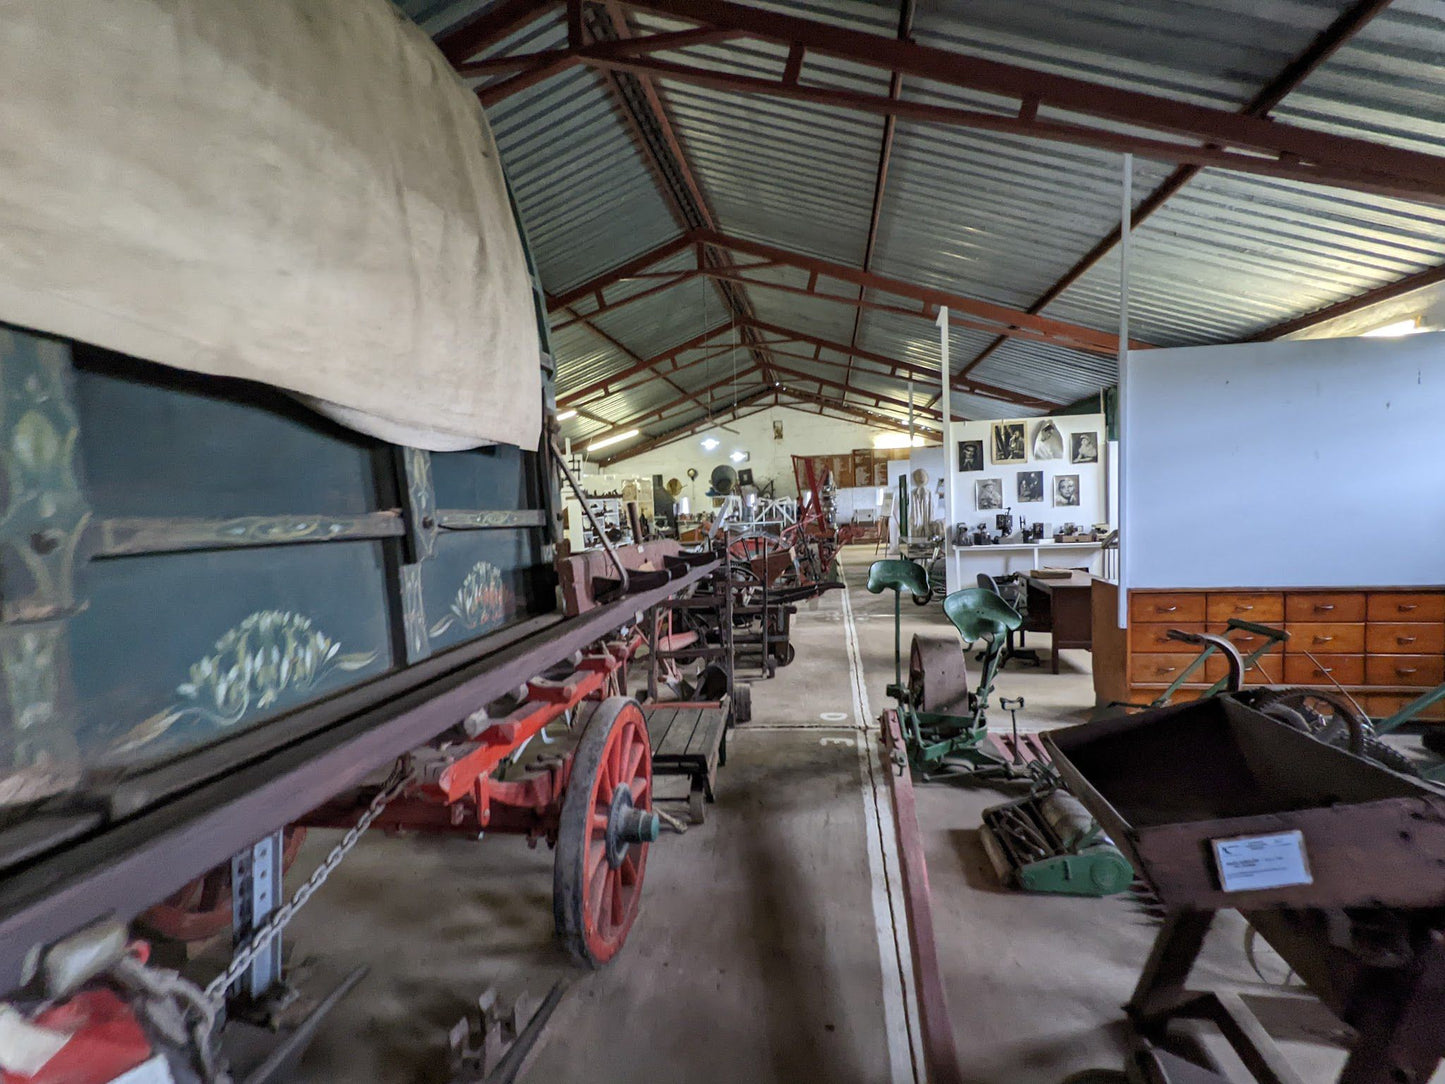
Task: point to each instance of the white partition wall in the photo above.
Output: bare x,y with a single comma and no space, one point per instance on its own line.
1293,464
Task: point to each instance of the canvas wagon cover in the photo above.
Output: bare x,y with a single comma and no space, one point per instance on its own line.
299,192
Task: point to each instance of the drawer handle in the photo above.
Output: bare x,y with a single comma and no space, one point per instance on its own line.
1406,670
1166,609
1243,609
1404,639
1166,669
1323,639
1324,607
1406,607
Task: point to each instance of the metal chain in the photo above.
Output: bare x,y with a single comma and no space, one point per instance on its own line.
244,957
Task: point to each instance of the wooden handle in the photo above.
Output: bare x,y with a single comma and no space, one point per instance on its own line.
1323,607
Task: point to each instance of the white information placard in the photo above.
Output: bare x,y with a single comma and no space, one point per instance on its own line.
1247,863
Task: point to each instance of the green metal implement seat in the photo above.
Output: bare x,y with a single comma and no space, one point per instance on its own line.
898,574
979,614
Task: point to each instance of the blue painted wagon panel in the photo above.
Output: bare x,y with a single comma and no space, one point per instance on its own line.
480,581
159,442
177,650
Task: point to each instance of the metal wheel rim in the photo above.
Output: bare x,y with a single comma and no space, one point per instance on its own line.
594,902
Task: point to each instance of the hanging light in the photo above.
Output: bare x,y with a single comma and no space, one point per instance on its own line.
616,438
566,415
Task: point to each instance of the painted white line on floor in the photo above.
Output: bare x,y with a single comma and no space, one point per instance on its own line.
900,998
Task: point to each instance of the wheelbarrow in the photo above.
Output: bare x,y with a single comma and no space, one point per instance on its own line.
1331,857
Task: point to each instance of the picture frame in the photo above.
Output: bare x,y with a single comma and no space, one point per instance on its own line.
1010,442
988,494
1030,486
970,455
1084,447
1066,491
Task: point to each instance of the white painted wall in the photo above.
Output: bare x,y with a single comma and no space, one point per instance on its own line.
1287,464
803,434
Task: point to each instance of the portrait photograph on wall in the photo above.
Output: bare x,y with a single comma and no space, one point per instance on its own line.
970,455
1031,486
1048,441
1066,491
988,494
1009,444
1084,448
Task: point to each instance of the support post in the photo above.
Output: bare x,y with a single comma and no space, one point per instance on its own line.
950,575
255,892
1126,214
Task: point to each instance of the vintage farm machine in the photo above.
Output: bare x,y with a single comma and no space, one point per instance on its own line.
1332,858
1042,842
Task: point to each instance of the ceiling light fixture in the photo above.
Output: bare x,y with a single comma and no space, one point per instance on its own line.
739,457
709,443
616,438
566,415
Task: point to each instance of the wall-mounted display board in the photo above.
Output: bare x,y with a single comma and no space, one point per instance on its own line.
1295,464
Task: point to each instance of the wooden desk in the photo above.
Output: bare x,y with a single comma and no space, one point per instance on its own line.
1062,608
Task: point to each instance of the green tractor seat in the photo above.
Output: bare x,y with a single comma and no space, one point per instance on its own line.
978,614
898,574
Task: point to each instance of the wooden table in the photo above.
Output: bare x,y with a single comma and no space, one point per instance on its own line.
1062,608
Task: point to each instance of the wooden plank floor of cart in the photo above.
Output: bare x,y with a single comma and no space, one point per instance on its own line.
689,739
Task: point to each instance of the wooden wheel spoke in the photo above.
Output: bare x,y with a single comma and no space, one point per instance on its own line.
619,904
628,869
634,762
641,792
599,822
597,887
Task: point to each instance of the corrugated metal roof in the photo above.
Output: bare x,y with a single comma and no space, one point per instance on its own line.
994,217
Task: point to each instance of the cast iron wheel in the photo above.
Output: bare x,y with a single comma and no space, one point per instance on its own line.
785,653
938,675
1325,714
742,702
603,834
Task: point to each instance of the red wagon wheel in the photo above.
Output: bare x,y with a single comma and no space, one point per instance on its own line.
201,909
606,825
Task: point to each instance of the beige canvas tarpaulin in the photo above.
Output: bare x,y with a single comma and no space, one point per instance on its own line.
299,192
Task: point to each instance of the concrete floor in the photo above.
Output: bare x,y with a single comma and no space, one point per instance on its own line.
766,949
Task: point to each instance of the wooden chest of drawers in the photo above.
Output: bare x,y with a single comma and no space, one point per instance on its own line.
1386,646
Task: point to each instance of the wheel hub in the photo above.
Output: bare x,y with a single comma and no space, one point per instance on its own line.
626,825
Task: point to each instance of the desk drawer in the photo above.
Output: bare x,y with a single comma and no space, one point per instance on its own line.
1248,641
1326,638
1162,669
1404,638
1263,608
1269,671
1406,606
1382,706
1174,606
1405,670
1154,638
1346,669
1325,606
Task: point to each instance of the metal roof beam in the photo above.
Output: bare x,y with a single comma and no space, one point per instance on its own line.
1230,140
641,365
885,158
689,428
1325,44
1062,332
974,387
1432,276
878,400
598,283
500,21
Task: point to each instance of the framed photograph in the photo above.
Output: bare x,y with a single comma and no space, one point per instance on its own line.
1066,491
1084,448
1048,441
1031,486
988,493
1009,443
970,455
